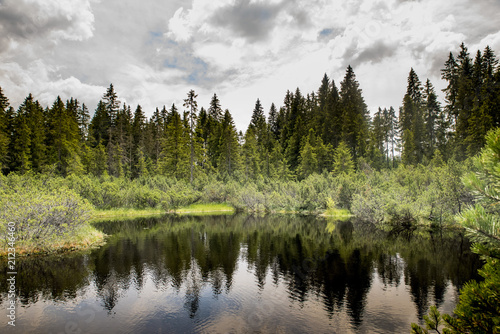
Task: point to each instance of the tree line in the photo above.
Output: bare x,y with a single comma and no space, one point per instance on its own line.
325,130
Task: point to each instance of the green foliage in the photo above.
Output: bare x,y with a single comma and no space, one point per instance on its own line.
44,216
483,221
342,160
478,310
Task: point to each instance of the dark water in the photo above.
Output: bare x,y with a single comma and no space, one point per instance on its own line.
241,274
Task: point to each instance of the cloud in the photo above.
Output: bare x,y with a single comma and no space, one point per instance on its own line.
250,20
23,20
240,49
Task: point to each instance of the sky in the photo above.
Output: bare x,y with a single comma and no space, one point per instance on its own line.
154,51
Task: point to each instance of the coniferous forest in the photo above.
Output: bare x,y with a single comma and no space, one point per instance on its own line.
425,162
308,133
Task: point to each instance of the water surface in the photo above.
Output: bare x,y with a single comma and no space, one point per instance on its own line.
240,274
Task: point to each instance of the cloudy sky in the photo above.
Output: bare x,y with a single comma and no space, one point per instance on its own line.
155,51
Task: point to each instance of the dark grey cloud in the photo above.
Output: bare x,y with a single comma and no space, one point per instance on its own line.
35,21
19,20
253,21
373,54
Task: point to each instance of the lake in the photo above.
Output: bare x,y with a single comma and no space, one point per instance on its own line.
242,274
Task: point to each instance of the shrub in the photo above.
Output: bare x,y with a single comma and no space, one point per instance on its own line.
43,218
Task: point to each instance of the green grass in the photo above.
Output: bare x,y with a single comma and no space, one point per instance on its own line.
125,213
193,209
337,213
206,208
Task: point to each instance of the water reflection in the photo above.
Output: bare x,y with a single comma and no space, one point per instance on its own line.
246,271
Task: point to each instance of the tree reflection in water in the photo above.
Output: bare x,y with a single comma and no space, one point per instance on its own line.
312,257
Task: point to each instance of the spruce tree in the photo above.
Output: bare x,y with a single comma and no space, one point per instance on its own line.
273,122
63,136
99,126
450,74
342,160
411,119
176,149
21,139
229,159
355,115
250,154
432,113
308,161
258,122
138,138
192,109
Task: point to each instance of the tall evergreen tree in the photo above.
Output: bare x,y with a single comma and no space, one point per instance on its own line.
192,109
308,161
355,114
432,115
250,155
229,159
63,137
99,126
450,74
332,126
175,156
20,148
273,122
258,122
83,122
138,140
411,120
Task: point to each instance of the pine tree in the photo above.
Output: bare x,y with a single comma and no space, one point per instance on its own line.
308,162
83,122
273,122
156,129
229,159
432,113
175,154
258,122
21,139
411,119
192,108
342,160
355,115
465,99
295,129
99,126
250,155
124,150
450,74
63,136
112,104
138,138
478,308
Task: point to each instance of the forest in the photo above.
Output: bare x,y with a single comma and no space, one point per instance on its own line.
329,130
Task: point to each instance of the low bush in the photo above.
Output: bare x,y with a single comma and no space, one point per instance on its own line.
43,218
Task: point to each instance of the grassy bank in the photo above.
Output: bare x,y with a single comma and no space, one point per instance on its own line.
86,238
193,209
221,208
124,213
